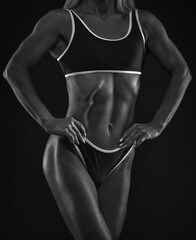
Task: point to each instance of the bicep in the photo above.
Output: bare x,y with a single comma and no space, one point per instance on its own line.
163,48
38,43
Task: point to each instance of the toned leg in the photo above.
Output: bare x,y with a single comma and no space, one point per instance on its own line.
74,191
113,195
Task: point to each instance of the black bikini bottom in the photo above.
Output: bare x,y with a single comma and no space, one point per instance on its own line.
100,163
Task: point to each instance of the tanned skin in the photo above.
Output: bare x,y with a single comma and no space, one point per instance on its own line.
101,108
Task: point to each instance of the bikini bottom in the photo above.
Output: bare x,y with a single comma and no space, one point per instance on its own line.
100,163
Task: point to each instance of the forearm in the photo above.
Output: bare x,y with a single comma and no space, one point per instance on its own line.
172,99
20,82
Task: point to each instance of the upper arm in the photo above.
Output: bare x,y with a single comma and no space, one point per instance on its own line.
43,37
160,44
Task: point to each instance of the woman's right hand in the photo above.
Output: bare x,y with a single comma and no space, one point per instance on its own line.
68,127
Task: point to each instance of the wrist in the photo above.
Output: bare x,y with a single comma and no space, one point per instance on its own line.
45,122
158,126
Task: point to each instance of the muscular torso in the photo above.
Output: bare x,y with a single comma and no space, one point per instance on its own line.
103,102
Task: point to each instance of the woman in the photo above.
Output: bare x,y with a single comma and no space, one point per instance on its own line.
101,48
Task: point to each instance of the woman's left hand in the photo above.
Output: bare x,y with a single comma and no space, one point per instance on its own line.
138,133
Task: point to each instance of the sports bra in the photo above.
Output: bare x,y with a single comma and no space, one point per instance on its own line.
87,52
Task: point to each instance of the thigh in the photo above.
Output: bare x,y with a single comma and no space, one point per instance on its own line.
113,196
74,192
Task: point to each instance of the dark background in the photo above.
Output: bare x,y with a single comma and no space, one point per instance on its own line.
161,200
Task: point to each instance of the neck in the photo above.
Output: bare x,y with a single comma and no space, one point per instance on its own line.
101,8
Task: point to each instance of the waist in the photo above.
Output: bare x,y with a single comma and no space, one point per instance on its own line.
104,132
104,138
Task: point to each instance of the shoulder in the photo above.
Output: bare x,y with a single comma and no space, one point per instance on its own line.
54,19
147,18
56,15
150,23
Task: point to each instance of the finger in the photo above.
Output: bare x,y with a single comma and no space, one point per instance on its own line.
69,136
78,133
131,138
125,135
80,127
129,144
144,137
148,136
70,129
140,141
130,132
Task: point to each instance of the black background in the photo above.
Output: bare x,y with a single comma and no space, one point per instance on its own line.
161,200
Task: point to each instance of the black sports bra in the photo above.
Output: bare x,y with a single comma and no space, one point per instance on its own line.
87,52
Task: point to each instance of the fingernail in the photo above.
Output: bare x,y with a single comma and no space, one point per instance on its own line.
120,145
121,139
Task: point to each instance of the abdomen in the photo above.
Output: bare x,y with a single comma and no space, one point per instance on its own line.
104,104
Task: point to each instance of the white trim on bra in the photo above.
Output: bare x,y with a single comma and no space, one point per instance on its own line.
72,35
107,39
139,25
101,71
94,71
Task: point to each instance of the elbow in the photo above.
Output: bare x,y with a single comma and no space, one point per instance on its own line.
5,72
187,77
182,75
11,71
8,72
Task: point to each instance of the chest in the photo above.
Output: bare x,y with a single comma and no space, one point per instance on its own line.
114,28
